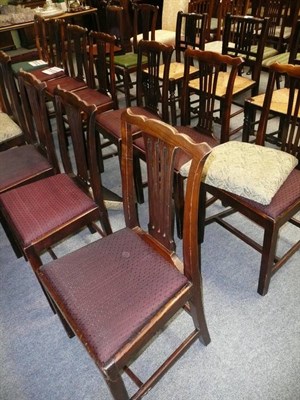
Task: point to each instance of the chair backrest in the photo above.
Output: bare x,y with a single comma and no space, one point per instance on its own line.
37,123
116,26
150,94
83,166
204,87
191,31
76,60
289,122
294,46
202,7
9,92
278,13
162,143
101,64
245,36
49,39
234,7
144,21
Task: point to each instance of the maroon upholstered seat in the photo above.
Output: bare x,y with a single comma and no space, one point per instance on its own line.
57,201
67,83
21,164
117,293
125,257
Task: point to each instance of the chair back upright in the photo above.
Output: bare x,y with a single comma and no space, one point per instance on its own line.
83,165
278,13
202,7
75,55
289,121
294,47
37,123
245,36
49,39
153,89
144,21
116,26
191,32
200,90
101,64
162,143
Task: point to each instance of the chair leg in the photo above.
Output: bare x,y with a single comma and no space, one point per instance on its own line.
197,313
267,259
127,88
11,238
117,387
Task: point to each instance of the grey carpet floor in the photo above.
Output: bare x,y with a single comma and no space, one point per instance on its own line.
255,348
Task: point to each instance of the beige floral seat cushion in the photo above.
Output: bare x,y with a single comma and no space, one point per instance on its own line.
8,128
248,170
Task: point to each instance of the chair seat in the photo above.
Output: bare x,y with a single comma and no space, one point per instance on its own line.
65,82
282,58
111,120
121,291
127,60
92,96
20,164
161,35
287,196
279,102
9,129
42,76
27,66
54,201
240,84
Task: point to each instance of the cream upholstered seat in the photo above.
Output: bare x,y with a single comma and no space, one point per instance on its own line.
167,33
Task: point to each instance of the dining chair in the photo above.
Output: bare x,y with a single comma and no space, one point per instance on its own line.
203,7
101,89
74,60
200,95
42,213
234,7
36,159
49,39
190,33
262,183
245,36
145,15
135,282
290,56
279,27
152,99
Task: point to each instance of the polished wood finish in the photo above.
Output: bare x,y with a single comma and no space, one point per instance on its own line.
81,181
161,143
285,204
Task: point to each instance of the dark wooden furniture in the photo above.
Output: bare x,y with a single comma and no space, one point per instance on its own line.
36,159
126,64
135,273
191,31
286,202
42,213
203,7
149,95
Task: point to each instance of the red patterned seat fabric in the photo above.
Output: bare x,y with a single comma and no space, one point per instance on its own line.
111,120
19,164
125,283
40,207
